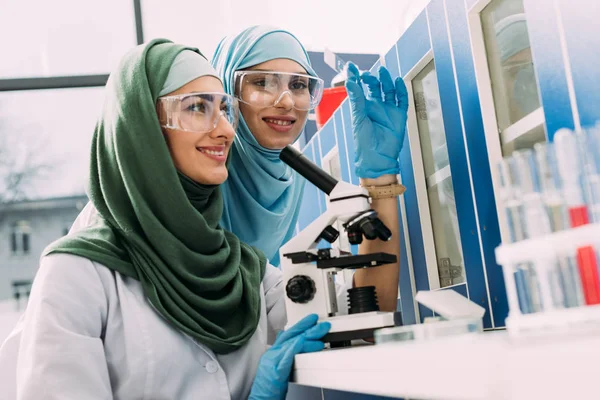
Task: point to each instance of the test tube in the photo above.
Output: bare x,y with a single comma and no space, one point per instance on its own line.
570,280
550,186
545,212
557,289
588,270
513,208
534,211
523,289
570,172
590,165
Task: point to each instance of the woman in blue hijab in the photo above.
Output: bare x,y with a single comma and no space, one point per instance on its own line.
269,71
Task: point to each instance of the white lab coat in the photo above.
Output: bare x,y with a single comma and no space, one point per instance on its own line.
90,333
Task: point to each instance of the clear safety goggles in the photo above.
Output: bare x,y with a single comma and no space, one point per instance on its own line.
266,89
198,112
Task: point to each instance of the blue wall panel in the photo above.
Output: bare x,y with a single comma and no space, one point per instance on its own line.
462,289
310,200
375,67
341,141
327,137
414,44
348,132
478,156
457,155
414,225
391,62
317,160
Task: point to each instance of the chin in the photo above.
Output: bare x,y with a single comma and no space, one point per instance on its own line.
216,178
280,143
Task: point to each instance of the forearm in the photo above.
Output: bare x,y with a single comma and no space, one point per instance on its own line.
384,278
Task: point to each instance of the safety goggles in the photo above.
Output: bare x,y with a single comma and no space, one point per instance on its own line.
266,89
198,112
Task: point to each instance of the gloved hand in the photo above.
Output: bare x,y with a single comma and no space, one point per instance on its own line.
379,124
272,377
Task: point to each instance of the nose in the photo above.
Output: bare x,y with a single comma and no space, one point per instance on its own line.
285,101
223,130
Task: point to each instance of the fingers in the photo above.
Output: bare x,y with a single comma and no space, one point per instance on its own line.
357,100
312,346
401,94
373,85
307,342
284,367
318,331
387,85
352,72
300,327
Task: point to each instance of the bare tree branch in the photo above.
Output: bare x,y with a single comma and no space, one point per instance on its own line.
23,162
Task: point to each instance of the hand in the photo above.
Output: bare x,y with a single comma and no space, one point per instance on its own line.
379,124
272,377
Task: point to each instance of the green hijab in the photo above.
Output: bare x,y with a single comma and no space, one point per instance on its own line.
158,226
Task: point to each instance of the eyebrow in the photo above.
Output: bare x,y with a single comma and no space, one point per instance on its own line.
204,96
270,70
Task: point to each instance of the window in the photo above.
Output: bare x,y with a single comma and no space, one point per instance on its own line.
20,238
45,139
519,115
64,37
440,191
51,95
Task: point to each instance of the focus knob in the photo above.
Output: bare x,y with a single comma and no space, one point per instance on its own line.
300,289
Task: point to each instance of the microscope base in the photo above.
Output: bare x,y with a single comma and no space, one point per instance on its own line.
359,326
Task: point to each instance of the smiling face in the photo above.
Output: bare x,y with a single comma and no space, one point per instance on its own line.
200,156
279,125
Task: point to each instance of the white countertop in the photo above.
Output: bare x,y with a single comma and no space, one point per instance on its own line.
482,366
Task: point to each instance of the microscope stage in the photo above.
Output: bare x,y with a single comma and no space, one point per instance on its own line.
359,326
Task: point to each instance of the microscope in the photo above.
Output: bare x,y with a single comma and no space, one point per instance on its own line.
309,271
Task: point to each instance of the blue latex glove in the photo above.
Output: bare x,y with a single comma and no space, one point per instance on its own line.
379,124
272,377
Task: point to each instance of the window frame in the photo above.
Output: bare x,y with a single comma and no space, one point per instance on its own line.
495,138
421,186
71,81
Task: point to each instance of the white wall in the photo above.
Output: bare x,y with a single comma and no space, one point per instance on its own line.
340,25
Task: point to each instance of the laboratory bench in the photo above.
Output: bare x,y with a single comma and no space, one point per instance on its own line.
484,366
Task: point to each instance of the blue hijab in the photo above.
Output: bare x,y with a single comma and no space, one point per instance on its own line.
262,194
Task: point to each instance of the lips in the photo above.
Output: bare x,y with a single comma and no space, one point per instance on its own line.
217,153
281,123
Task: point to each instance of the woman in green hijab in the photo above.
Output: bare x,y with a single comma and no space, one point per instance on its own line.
149,297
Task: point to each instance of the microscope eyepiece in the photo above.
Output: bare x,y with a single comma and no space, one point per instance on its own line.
308,169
